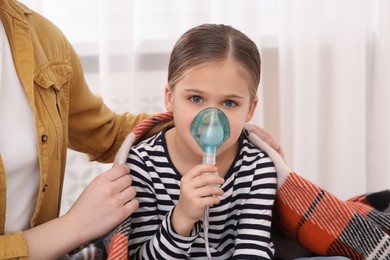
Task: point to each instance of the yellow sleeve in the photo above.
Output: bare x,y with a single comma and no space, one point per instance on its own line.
94,129
13,246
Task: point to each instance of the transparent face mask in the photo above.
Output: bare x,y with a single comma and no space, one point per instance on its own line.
210,128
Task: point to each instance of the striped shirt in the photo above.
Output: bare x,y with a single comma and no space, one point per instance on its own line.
240,225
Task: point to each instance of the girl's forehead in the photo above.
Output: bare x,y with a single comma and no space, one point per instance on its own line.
216,66
220,80
227,70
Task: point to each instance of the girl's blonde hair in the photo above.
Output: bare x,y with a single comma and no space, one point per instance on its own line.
212,43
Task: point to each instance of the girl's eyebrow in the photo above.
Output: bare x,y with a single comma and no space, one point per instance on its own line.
233,97
193,90
197,91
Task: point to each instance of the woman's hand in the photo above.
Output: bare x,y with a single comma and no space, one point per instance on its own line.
197,191
107,201
266,137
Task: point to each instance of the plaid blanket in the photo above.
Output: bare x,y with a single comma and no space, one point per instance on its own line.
312,217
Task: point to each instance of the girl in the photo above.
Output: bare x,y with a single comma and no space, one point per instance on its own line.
210,66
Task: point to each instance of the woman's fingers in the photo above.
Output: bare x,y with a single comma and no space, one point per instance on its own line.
267,137
126,195
131,206
116,172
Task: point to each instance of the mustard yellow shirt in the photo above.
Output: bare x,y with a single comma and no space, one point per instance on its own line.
66,113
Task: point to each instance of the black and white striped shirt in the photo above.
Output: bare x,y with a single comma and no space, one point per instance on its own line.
240,226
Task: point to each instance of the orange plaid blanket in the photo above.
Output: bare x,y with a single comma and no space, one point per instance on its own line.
317,220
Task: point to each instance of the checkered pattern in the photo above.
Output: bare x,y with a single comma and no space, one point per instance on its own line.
328,226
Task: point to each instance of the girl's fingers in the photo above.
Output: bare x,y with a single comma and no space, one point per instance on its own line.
200,169
211,200
206,180
209,190
201,175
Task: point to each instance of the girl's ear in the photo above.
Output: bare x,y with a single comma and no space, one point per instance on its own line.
252,109
168,101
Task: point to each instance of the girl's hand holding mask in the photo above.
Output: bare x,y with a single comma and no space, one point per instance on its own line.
197,191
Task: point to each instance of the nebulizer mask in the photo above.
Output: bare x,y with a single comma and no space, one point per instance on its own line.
211,129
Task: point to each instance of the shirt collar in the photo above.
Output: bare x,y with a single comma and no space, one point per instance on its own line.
15,9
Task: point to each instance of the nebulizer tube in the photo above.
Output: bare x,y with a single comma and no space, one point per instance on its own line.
210,128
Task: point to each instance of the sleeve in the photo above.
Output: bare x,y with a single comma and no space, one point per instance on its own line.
93,128
254,228
13,246
152,235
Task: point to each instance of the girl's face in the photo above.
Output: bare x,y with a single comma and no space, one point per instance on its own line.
221,85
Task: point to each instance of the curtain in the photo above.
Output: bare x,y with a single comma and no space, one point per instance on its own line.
324,89
334,92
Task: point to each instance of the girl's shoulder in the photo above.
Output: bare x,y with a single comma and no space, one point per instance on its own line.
248,148
151,146
157,139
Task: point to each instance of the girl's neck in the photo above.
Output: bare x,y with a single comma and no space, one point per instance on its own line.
185,159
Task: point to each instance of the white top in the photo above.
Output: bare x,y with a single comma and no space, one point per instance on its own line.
18,145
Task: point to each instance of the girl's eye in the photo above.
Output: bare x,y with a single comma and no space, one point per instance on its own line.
196,99
229,103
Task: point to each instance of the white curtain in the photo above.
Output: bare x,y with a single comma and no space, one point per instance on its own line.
334,61
324,91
